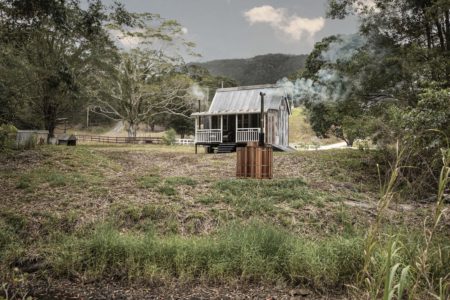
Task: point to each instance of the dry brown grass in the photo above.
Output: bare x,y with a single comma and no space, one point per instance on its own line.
66,191
92,180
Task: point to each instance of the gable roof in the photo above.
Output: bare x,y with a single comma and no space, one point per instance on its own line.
246,99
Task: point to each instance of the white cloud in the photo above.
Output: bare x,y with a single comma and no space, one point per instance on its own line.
278,18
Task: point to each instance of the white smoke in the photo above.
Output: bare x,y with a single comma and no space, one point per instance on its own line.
197,92
331,85
344,48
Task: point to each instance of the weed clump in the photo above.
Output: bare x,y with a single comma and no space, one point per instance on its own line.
252,252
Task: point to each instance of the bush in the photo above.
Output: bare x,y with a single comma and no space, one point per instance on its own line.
423,132
7,136
170,137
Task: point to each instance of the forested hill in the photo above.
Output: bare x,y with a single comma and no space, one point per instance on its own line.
260,69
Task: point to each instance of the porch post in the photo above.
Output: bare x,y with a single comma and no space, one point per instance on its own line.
196,127
195,135
221,128
236,134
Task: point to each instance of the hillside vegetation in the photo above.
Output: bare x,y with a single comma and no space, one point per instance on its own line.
262,69
96,220
300,131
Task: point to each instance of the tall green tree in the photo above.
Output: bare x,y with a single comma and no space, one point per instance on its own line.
147,83
400,79
141,88
419,29
59,45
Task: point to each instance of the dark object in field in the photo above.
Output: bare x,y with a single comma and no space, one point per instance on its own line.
68,140
254,162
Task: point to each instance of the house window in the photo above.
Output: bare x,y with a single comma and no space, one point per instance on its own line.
254,120
204,122
215,120
245,120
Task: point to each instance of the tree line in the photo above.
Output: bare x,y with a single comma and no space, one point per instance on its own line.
389,82
59,58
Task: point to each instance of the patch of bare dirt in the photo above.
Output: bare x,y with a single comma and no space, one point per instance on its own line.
105,290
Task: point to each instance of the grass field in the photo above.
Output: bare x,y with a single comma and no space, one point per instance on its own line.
301,133
75,220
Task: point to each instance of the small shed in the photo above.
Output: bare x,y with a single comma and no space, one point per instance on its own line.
234,118
31,137
68,140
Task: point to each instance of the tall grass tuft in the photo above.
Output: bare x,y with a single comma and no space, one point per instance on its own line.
387,273
422,263
254,252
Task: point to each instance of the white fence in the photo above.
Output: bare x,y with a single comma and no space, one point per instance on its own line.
208,136
185,142
247,135
215,135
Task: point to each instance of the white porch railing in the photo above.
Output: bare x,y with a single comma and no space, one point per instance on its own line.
247,135
208,136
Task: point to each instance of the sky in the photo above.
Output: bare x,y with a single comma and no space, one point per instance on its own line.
224,29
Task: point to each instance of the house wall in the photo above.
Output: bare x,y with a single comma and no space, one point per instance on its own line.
277,126
283,125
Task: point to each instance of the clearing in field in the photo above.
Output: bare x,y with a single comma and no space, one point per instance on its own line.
102,220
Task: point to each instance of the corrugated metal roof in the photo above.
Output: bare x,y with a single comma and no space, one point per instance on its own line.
246,99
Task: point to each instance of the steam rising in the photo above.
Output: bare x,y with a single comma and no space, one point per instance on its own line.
197,92
330,85
344,48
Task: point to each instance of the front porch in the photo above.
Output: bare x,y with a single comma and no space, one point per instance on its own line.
218,129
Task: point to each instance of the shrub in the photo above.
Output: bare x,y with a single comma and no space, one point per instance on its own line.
423,132
7,136
170,136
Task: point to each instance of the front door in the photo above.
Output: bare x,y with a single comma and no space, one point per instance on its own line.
229,128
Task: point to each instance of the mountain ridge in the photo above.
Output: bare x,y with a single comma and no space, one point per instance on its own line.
260,69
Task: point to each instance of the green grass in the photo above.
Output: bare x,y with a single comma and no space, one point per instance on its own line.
149,181
36,178
12,235
178,181
248,252
167,186
261,197
252,252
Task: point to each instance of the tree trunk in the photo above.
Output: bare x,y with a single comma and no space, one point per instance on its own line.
440,34
428,35
447,29
49,114
447,39
349,142
132,129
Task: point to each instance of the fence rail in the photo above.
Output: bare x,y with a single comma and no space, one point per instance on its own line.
120,140
208,136
247,135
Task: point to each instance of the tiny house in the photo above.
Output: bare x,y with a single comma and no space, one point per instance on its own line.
234,118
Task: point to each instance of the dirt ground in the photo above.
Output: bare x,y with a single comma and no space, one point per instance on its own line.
97,178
